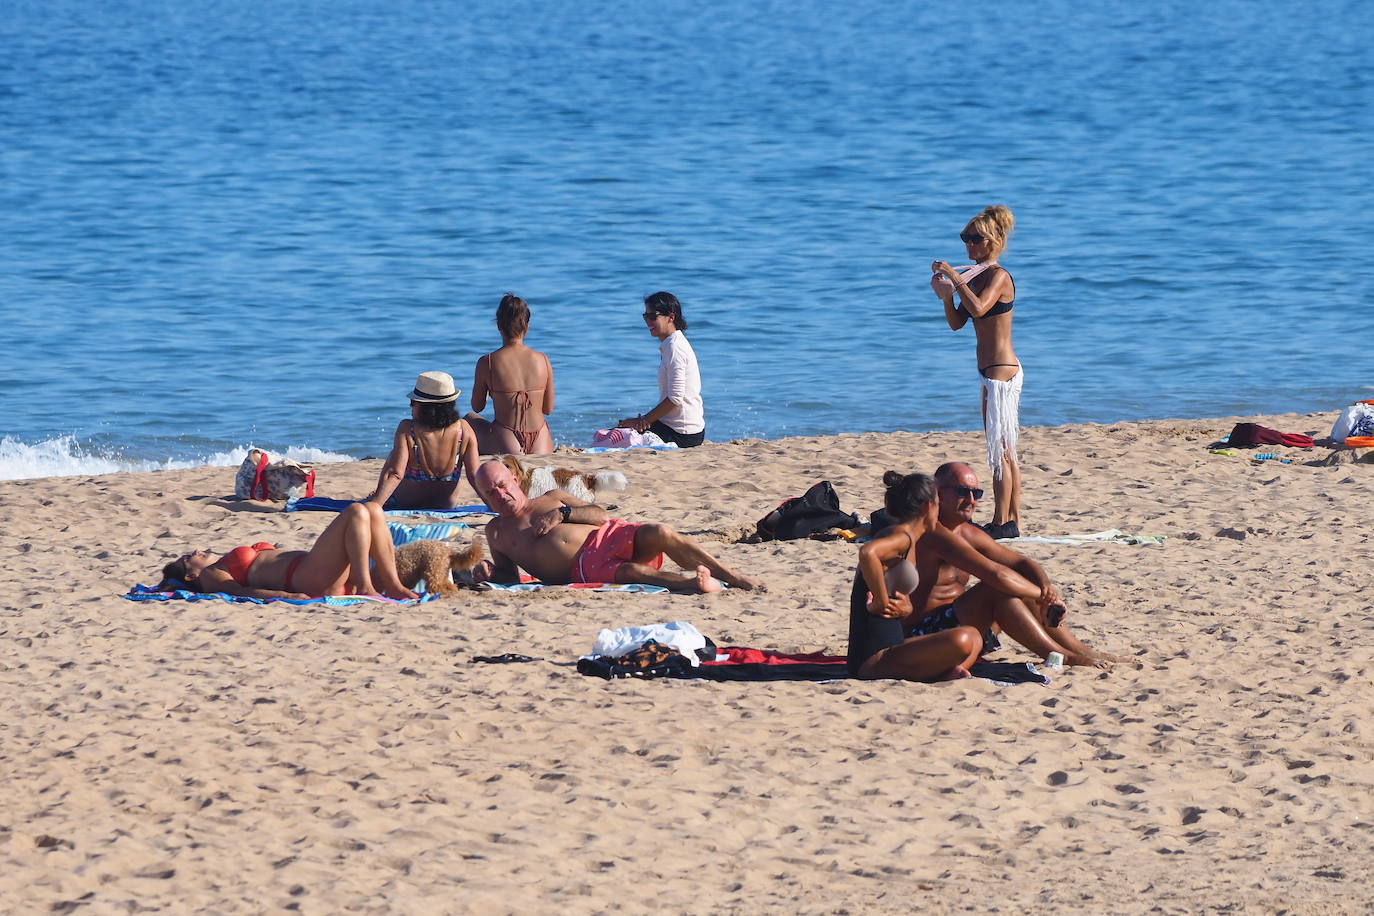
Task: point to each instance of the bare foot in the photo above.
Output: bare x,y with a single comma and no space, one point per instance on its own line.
1087,661
393,590
957,673
745,583
1118,659
707,583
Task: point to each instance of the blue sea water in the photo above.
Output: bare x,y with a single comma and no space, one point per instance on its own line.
233,222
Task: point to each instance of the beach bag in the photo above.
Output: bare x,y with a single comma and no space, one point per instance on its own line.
1251,434
816,510
1355,420
262,479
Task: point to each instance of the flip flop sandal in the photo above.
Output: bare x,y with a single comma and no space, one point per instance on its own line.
505,659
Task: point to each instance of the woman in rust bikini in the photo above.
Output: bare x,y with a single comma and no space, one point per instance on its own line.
520,382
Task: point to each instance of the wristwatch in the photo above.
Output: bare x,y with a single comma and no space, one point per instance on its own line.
565,511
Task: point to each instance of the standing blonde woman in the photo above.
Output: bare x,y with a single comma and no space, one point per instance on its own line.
986,294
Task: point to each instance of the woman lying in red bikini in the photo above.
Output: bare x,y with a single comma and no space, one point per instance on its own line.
338,564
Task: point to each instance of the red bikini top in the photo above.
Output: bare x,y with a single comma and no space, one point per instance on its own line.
237,561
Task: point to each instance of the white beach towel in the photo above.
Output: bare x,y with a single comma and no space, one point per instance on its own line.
1110,536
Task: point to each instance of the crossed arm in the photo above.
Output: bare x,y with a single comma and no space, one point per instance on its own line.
873,559
940,545
974,305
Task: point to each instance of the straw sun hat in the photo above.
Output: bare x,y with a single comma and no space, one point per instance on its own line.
434,388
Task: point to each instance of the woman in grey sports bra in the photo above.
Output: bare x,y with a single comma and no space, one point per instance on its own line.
880,601
987,294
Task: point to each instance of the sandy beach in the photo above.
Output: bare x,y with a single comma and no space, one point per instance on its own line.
183,756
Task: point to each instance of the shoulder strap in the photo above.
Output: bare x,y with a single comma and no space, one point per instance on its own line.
418,452
259,489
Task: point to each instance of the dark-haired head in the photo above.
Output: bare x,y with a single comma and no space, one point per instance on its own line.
435,416
664,303
512,316
908,495
174,577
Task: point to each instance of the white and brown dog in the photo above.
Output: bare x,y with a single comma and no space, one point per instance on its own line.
536,481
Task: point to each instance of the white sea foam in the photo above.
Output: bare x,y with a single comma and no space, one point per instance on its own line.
66,456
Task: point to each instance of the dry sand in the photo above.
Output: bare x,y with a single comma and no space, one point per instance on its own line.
207,756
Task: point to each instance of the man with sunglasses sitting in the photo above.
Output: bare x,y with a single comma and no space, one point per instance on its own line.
1013,591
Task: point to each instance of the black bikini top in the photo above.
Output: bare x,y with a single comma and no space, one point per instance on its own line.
978,284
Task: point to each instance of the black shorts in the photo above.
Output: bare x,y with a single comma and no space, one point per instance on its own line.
682,440
944,618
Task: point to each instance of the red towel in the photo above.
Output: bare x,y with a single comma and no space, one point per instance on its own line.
1249,434
742,656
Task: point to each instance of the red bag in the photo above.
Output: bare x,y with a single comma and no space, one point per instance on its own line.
262,479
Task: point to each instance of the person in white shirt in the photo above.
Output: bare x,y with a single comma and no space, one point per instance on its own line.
678,416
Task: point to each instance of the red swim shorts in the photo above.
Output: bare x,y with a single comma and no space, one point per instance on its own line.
605,550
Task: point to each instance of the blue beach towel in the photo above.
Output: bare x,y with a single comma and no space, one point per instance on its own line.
325,504
402,533
149,593
585,586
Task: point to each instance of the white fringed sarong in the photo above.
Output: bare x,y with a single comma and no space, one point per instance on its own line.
1001,418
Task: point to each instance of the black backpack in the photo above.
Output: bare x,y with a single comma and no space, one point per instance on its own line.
816,510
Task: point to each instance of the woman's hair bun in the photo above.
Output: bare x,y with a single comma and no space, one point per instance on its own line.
1001,218
907,494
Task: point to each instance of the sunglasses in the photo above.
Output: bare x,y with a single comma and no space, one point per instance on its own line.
972,238
965,492
650,316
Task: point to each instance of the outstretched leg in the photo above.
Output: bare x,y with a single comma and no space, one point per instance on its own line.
981,606
644,574
652,540
1066,638
942,656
